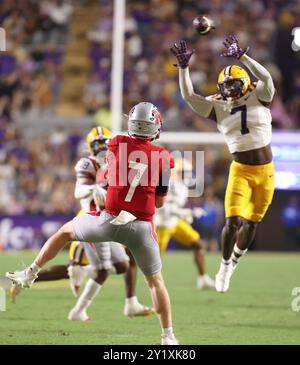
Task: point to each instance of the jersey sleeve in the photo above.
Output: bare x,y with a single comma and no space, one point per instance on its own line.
198,103
85,169
265,89
85,178
167,160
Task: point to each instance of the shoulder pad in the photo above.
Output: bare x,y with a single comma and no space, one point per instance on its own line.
85,166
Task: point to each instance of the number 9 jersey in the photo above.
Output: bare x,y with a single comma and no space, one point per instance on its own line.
136,168
245,122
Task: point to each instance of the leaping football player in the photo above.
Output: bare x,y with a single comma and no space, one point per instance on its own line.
241,110
138,180
173,220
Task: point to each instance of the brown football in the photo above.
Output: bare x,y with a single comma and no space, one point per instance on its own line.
203,24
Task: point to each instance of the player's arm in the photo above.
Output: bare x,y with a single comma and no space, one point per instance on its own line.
162,188
197,102
265,89
159,200
85,179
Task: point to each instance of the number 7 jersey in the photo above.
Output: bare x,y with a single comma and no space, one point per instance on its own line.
245,123
134,170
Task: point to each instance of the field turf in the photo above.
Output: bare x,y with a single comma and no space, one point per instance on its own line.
256,310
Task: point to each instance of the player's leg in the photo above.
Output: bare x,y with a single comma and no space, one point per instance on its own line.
237,198
80,228
262,195
228,237
164,235
132,305
97,277
105,258
52,273
74,271
162,305
187,235
143,245
245,237
79,266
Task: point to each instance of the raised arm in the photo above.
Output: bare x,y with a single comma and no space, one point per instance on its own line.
265,89
197,102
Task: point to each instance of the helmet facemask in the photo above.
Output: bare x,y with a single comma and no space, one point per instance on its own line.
99,148
144,121
231,88
143,130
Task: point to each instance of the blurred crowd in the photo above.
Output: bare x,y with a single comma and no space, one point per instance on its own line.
30,69
38,31
153,26
39,178
37,175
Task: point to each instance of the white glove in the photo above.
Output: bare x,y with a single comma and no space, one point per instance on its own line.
99,196
199,212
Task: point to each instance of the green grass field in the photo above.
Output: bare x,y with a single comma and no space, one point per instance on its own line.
256,310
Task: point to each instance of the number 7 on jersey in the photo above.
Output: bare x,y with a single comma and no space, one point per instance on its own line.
140,169
243,110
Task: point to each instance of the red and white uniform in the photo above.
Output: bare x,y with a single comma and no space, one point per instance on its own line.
134,169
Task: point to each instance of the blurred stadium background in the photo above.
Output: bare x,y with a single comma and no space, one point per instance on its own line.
55,84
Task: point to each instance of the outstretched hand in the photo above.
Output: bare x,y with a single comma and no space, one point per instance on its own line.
232,45
182,54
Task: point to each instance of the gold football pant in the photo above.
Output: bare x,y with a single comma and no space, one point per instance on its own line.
250,190
182,232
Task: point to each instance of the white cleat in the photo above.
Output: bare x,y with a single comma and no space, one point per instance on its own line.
75,315
76,274
24,278
205,282
223,278
138,310
168,340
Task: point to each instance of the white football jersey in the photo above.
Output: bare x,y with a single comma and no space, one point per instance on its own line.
167,215
86,171
245,123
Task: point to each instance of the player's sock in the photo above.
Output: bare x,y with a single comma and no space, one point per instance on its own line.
226,262
204,281
34,268
168,331
134,308
168,337
89,293
132,301
236,255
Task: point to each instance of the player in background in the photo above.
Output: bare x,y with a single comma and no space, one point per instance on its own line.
84,261
241,110
173,220
138,179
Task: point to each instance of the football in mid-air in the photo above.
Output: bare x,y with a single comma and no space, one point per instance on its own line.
203,24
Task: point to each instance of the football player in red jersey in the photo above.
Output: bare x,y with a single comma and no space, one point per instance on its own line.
138,180
84,260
